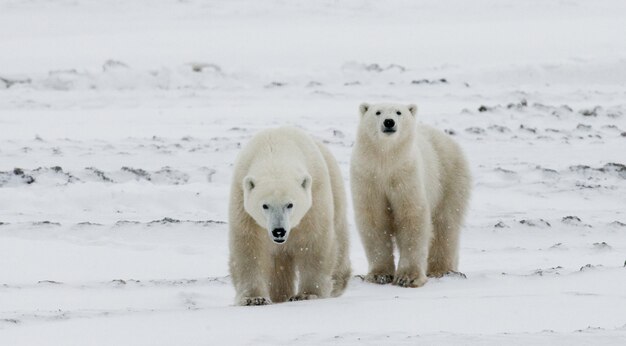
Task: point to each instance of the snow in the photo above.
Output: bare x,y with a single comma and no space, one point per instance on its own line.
120,121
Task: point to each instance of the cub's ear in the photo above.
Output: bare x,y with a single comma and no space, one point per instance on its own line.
412,109
248,183
306,182
363,108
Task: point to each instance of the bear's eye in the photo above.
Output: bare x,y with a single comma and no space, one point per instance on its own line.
378,113
290,205
398,112
265,206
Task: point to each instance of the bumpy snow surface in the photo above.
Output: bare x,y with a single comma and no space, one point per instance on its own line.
120,121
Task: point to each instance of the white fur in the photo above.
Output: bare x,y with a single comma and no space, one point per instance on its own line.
278,168
412,187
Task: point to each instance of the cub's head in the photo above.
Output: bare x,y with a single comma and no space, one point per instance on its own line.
277,204
387,121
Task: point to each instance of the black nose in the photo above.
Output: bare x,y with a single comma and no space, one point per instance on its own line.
389,123
279,232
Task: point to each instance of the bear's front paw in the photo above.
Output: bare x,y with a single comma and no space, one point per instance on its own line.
380,279
302,297
410,280
450,273
253,301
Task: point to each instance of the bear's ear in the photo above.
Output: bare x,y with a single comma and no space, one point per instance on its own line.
363,108
248,183
306,182
412,109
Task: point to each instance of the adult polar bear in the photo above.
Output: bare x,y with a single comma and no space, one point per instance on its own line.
287,212
411,183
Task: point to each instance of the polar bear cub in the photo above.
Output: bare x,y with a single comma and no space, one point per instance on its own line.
287,219
410,184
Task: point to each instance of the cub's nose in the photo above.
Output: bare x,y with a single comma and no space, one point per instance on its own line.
389,123
279,232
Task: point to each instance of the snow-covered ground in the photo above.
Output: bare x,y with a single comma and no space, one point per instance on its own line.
120,121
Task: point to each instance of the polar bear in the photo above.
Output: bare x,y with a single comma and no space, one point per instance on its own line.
287,215
410,184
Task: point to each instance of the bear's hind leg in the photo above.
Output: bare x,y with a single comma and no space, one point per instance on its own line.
443,257
341,276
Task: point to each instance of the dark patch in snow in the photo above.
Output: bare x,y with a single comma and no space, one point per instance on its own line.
210,172
338,134
501,224
549,271
208,222
118,282
9,82
535,223
593,112
100,174
16,176
373,67
505,171
205,67
499,128
170,175
430,81
484,108
588,186
275,85
617,224
522,104
164,221
475,130
170,221
450,132
138,172
583,127
89,223
45,223
113,65
588,329
49,282
574,221
602,246
528,129
126,222
613,167
587,267
616,169
10,320
55,172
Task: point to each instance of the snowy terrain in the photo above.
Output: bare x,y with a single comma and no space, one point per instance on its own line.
120,121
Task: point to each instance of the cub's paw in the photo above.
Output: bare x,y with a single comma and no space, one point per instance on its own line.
409,279
380,279
450,273
300,297
253,301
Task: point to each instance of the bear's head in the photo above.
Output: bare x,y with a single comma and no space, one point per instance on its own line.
389,122
277,204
